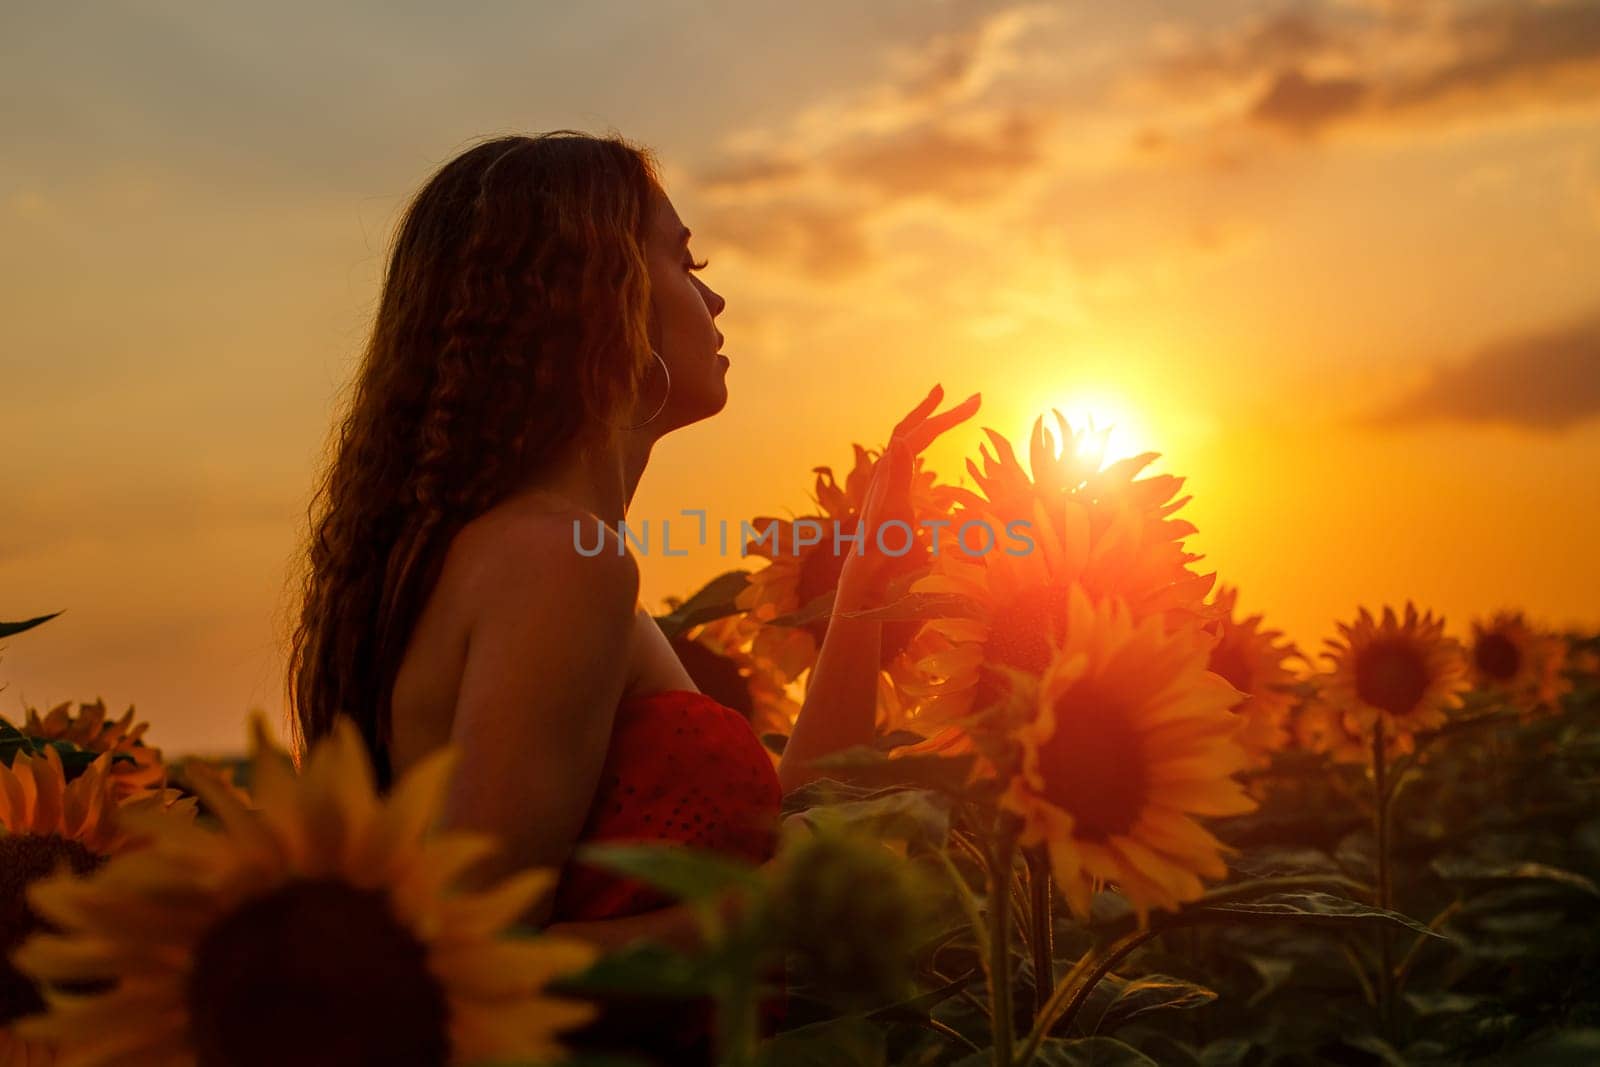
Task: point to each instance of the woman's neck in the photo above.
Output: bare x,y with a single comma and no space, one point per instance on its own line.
599,476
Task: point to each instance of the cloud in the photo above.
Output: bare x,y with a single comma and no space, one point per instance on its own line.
937,160
1545,380
824,240
806,193
1305,105
1305,74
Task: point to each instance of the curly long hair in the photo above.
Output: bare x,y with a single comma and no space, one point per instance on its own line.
513,325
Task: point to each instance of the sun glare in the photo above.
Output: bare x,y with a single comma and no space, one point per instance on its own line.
1099,417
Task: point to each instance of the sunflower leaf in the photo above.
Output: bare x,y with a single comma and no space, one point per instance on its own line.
1458,869
645,969
918,1008
865,765
714,600
915,606
919,815
817,608
849,1041
1116,1000
1075,1052
686,873
9,628
1313,908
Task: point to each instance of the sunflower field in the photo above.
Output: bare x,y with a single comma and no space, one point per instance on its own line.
1107,820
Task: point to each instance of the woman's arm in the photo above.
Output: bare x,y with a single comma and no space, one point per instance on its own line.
546,665
841,701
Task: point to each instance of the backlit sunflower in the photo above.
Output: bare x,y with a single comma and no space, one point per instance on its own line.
1317,726
796,574
134,766
1073,524
1405,671
47,823
1252,660
1512,659
1132,736
326,926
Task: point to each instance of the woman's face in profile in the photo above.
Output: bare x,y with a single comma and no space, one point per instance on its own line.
682,328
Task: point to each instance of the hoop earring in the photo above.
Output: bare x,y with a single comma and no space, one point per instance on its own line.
661,406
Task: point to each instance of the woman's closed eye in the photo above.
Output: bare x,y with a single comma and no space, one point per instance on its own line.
702,265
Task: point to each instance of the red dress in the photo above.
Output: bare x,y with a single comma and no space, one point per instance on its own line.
681,767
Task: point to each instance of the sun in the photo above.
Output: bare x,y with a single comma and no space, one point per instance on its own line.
1110,431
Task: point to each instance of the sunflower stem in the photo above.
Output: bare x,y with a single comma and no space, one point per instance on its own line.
1001,1018
736,1020
1042,927
1380,772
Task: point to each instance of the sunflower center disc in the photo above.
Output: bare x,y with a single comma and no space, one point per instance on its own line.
1094,764
1392,676
24,859
1497,657
1019,633
317,972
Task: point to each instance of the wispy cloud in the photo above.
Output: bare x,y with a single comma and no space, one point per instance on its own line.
1309,73
1544,380
805,192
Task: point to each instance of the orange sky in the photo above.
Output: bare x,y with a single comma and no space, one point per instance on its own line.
1336,261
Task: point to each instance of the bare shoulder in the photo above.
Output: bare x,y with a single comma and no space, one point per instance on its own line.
512,552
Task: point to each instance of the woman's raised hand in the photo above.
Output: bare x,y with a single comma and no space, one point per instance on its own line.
888,499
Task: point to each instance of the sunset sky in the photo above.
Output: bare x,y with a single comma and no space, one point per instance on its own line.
1339,262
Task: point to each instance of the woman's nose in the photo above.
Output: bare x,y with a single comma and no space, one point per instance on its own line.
714,301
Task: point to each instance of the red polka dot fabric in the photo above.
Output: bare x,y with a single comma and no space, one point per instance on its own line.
683,768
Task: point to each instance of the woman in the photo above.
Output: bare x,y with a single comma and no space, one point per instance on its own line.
541,326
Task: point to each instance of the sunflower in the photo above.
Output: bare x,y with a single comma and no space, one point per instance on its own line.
1405,672
47,823
325,926
797,575
1100,530
1252,660
1131,737
1317,726
135,765
1512,659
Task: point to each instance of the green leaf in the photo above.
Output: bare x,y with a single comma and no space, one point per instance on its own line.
915,606
1274,972
1313,908
817,607
1077,1052
851,1041
714,600
908,814
1376,1046
688,874
1116,1000
1473,872
920,1007
645,969
1226,1052
9,628
867,766
1440,1002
